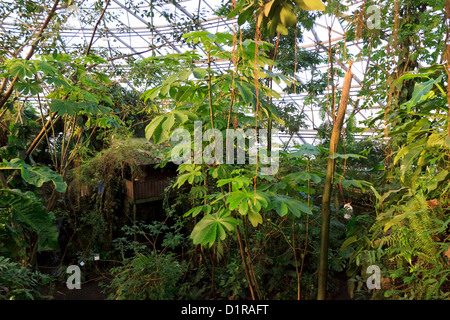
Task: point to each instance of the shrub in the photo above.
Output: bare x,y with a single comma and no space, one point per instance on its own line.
20,283
144,277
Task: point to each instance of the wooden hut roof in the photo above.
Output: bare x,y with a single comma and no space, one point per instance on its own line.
140,151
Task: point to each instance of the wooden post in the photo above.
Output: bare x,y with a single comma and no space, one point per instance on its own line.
134,218
325,230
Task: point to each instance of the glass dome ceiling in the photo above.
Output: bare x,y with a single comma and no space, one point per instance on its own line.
144,28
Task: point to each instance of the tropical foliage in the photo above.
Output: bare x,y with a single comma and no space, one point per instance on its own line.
272,227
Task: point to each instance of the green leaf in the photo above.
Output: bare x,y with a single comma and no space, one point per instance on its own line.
39,175
29,211
89,96
92,108
346,156
221,172
260,198
310,5
254,217
274,23
236,198
150,94
58,81
282,202
282,208
164,90
282,29
408,154
420,90
166,126
199,73
287,16
207,208
213,227
151,127
246,93
170,79
181,180
355,183
348,242
267,7
35,175
245,14
249,204
303,150
447,141
109,122
304,176
28,87
45,67
441,176
183,116
243,207
194,211
435,139
193,174
22,69
68,107
406,127
239,181
101,77
407,76
183,75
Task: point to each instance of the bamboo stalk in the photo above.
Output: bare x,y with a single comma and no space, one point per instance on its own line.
244,262
447,13
326,198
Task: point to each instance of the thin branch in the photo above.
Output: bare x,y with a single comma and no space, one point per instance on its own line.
95,27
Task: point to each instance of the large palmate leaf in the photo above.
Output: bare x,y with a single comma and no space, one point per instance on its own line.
68,107
28,86
285,204
194,174
248,203
35,175
47,68
26,209
213,227
22,69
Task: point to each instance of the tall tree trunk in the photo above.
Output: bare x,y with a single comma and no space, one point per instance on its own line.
447,54
326,198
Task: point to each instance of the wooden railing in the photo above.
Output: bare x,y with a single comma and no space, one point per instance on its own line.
146,190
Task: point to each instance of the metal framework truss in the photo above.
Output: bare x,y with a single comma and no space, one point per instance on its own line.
130,32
